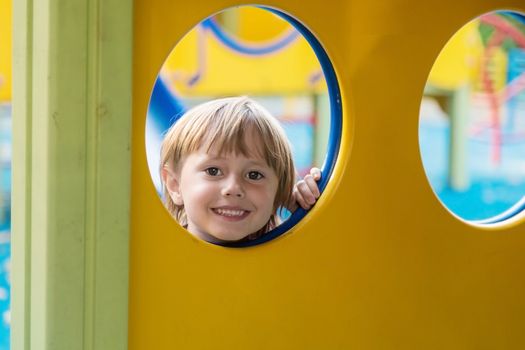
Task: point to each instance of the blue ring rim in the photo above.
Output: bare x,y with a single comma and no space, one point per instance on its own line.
519,206
334,138
227,40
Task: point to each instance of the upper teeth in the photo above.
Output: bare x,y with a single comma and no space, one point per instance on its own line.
229,212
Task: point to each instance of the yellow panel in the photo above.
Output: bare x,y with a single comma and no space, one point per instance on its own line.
459,59
6,34
378,263
287,70
255,24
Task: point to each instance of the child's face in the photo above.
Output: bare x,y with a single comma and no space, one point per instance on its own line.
225,197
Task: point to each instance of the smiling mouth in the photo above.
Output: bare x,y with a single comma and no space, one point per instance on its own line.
231,213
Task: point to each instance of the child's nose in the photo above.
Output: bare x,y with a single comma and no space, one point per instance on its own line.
233,188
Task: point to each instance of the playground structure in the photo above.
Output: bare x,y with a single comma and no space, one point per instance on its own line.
231,54
378,263
5,171
479,80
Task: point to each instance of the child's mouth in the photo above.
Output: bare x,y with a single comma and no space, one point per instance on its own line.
231,213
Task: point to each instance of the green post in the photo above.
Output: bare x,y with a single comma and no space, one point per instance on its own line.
459,113
322,133
71,173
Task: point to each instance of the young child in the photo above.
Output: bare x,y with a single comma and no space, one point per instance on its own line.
227,168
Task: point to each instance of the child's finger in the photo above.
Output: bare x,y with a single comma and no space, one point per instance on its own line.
316,173
304,189
312,186
300,199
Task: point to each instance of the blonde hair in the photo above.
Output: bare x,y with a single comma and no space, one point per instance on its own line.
224,123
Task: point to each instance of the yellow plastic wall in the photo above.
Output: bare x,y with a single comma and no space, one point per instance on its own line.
459,60
284,71
378,263
5,50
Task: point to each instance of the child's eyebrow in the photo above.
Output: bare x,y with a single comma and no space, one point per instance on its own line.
211,156
258,162
251,160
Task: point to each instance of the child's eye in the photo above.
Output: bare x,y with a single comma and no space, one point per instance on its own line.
213,171
255,175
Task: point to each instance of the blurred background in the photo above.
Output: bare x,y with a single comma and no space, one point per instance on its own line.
472,122
245,51
5,171
472,118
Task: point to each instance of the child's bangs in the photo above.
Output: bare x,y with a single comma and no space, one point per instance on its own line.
236,136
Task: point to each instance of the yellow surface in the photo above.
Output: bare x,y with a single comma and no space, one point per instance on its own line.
379,263
460,60
227,72
259,25
5,49
498,74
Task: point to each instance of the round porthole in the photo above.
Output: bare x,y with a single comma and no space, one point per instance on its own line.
472,120
249,87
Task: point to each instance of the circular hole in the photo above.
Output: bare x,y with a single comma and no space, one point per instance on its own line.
472,120
279,67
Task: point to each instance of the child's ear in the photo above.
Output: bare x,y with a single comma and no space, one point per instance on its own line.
171,181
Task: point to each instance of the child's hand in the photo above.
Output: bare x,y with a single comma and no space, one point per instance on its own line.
306,191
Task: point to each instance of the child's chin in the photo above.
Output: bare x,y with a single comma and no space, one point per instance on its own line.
229,236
